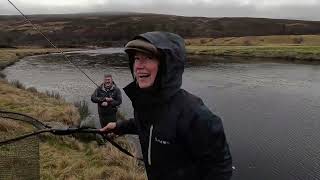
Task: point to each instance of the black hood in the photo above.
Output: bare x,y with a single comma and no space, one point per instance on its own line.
172,61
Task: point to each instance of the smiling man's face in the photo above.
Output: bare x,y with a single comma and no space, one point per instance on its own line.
145,69
108,81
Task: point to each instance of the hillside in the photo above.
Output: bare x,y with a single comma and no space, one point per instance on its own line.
112,30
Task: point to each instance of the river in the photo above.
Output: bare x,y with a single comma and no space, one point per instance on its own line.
270,110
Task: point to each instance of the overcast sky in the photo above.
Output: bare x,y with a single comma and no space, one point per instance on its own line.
288,9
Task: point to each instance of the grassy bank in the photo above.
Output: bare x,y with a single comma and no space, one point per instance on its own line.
71,159
36,104
301,47
61,157
285,52
10,56
275,40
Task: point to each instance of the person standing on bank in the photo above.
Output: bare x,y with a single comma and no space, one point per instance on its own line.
108,97
180,137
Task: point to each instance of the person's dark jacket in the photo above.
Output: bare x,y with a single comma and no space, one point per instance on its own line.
101,93
180,137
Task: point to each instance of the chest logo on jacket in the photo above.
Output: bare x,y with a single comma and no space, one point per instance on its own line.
158,140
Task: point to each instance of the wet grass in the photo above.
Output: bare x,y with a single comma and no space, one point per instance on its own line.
32,89
83,109
54,94
17,84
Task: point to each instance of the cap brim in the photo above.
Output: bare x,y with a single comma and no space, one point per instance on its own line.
132,50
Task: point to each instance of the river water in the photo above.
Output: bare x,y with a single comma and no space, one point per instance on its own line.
270,111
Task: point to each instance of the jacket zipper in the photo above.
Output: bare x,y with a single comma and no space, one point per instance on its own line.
149,148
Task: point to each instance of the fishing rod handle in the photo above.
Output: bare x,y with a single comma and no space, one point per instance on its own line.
67,131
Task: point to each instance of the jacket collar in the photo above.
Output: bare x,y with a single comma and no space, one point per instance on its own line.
140,97
107,89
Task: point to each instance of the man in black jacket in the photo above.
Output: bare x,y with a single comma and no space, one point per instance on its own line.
180,137
108,97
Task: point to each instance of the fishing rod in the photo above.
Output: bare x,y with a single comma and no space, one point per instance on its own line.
68,131
40,128
54,46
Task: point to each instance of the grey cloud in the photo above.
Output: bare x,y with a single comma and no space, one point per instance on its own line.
305,12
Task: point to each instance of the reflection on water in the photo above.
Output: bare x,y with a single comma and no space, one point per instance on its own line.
271,111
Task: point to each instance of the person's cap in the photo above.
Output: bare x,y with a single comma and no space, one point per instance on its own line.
139,45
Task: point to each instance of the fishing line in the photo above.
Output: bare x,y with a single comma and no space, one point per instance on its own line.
60,51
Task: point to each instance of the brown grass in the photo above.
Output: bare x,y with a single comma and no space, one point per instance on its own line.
305,53
289,47
37,105
68,158
304,40
11,129
7,126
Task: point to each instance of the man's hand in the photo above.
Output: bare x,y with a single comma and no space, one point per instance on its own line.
104,104
109,99
109,127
